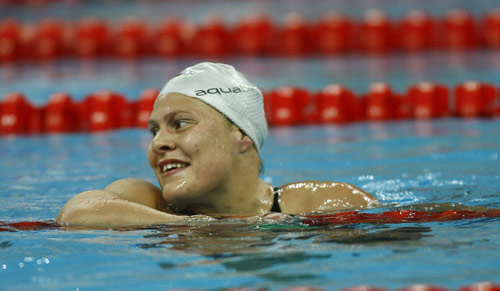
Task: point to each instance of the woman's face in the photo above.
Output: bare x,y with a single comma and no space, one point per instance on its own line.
192,152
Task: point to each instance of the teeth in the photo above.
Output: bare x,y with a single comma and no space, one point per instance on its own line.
171,166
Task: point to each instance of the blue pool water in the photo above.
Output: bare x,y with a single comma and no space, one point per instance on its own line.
402,163
407,163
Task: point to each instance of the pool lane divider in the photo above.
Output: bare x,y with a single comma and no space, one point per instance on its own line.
398,216
284,106
340,218
332,33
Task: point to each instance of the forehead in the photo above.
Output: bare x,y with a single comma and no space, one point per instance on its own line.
175,99
175,102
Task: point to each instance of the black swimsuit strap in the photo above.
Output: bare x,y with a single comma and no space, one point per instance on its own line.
276,205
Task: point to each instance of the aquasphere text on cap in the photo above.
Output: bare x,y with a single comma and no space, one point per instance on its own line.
228,91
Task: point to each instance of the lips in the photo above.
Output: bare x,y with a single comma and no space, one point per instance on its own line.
172,166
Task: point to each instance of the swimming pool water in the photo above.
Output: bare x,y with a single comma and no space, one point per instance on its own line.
403,163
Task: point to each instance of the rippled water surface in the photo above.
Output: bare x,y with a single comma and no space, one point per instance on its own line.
408,164
403,164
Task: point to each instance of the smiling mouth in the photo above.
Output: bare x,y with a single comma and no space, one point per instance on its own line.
172,167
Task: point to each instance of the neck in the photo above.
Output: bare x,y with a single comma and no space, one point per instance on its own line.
247,199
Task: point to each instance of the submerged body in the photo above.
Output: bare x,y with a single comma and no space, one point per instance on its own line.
205,155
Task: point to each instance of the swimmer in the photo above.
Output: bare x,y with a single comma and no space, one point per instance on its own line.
208,127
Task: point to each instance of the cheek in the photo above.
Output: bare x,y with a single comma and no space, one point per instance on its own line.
151,157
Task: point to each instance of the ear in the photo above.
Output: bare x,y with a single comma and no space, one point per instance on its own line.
244,143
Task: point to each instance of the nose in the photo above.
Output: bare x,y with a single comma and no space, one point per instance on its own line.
162,143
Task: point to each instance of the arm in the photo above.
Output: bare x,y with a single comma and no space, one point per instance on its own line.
138,191
315,196
124,202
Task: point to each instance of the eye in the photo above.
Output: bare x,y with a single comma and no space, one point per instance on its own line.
179,124
153,130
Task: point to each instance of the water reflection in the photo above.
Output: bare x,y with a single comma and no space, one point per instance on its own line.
260,248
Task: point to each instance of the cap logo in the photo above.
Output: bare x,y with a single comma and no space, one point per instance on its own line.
221,91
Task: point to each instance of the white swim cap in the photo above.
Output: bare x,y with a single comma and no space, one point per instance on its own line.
226,90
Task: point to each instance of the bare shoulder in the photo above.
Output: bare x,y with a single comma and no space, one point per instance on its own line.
318,196
138,191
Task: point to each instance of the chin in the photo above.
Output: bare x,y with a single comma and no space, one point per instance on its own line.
177,196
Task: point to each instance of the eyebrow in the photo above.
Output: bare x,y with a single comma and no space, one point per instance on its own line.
153,122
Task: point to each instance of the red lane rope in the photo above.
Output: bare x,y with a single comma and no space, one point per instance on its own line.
254,35
27,225
342,218
284,106
398,216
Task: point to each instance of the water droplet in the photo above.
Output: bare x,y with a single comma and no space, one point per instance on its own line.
29,259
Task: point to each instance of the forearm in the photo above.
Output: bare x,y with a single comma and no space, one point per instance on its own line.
103,208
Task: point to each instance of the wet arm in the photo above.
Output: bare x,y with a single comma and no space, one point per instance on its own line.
99,208
124,202
315,196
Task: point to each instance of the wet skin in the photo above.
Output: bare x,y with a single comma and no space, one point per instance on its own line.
205,165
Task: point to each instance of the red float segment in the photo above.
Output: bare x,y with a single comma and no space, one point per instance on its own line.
293,39
35,118
125,111
105,111
144,107
474,99
336,104
423,287
491,29
91,38
284,109
212,39
428,100
333,34
83,113
49,40
403,108
376,33
289,106
481,286
189,31
10,40
253,35
459,30
380,103
132,39
60,114
168,40
14,114
416,31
